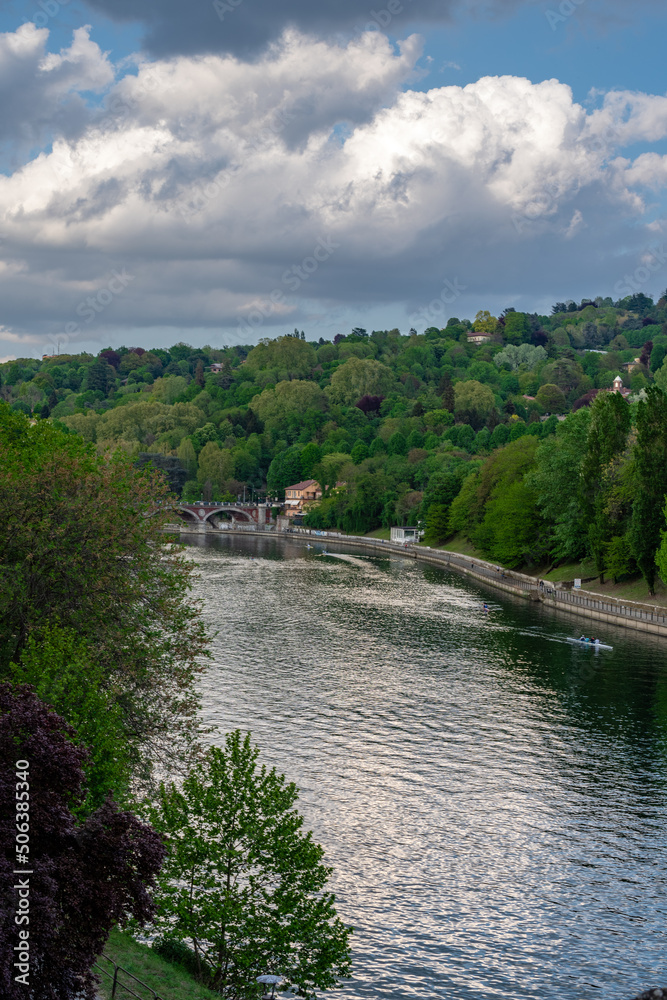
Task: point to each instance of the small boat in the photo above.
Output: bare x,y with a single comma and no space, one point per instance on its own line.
589,642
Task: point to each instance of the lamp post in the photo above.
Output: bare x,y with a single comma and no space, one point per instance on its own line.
272,981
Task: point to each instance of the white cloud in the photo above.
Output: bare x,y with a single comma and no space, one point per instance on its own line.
40,92
209,178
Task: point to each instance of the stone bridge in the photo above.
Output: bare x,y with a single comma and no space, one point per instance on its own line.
258,514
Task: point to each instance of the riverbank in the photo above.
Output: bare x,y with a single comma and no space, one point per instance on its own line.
635,615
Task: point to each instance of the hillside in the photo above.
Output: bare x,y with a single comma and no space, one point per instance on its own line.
455,427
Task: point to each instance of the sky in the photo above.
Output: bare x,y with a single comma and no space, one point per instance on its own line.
219,171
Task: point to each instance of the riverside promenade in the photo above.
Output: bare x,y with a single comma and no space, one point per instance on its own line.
631,614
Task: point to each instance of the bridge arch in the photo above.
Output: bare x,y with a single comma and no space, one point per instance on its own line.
203,513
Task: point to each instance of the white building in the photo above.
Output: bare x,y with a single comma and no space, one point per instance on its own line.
404,535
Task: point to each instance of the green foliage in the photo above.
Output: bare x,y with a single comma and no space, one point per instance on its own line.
556,482
650,455
360,377
81,548
242,882
63,671
474,403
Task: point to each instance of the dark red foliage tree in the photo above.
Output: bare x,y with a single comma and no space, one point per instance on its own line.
111,357
369,404
584,400
79,878
645,356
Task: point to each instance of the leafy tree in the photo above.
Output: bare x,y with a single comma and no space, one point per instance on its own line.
287,402
377,447
84,877
369,404
188,457
310,456
556,482
437,524
552,398
215,465
485,322
607,437
290,357
169,465
397,445
360,377
100,376
650,455
517,328
359,452
657,357
64,674
474,403
242,882
446,390
285,470
81,547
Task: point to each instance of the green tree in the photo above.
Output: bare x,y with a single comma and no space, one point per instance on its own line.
360,377
288,402
242,881
188,457
437,524
650,455
607,437
517,328
81,547
215,465
359,452
289,357
474,403
310,456
63,672
557,484
552,398
446,391
397,444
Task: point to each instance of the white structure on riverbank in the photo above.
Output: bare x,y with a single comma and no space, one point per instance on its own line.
403,535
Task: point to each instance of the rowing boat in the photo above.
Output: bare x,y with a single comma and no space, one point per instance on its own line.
587,642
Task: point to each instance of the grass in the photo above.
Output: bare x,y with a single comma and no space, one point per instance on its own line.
379,533
169,981
631,590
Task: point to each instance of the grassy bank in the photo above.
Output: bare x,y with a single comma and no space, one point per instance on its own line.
169,981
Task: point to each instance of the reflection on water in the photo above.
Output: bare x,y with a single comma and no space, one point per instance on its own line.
493,799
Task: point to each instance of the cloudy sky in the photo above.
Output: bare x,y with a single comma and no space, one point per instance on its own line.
221,171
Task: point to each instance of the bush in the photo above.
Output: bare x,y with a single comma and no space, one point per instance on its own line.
178,953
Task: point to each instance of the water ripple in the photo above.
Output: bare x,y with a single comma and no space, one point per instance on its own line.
493,799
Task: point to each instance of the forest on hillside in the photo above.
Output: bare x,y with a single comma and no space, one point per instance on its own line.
514,441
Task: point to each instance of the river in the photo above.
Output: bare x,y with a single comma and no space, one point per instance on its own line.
492,798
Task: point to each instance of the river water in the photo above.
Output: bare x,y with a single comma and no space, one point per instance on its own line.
492,798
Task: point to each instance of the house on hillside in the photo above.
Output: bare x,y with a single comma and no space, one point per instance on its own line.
299,494
631,365
479,337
